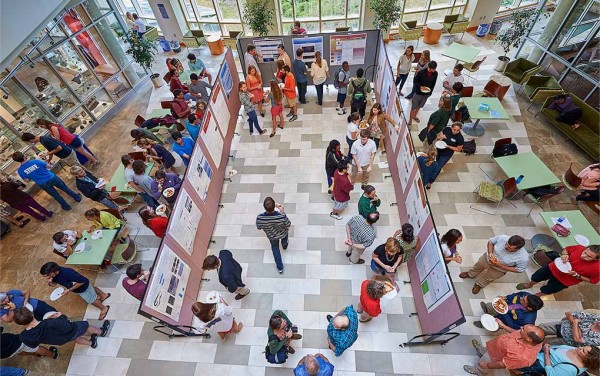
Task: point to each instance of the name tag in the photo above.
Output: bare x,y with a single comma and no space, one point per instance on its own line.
453,140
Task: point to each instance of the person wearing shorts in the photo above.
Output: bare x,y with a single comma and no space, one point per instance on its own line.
341,190
11,345
585,267
19,299
343,79
423,78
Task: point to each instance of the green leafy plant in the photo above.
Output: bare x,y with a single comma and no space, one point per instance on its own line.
387,12
141,50
259,16
520,22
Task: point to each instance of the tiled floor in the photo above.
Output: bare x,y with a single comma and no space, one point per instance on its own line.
318,279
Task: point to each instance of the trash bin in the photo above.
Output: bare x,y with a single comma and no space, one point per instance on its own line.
482,30
165,45
175,46
495,28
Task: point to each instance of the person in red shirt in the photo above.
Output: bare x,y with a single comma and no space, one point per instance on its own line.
341,190
156,223
585,267
179,107
289,90
371,292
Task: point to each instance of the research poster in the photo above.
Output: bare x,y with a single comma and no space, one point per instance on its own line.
396,115
381,67
309,45
220,108
351,48
226,79
416,203
184,220
166,289
387,85
405,159
212,138
199,173
435,282
267,48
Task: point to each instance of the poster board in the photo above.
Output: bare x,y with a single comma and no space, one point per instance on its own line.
309,45
350,47
177,271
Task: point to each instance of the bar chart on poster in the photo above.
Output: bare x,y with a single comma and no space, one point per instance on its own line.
199,174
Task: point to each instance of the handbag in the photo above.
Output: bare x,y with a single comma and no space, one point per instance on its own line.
561,230
423,134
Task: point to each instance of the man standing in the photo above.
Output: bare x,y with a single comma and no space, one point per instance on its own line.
360,235
75,282
522,310
11,193
363,153
54,147
230,272
299,70
37,171
312,365
509,351
276,225
504,254
342,330
289,90
250,58
183,146
342,78
455,77
357,90
424,84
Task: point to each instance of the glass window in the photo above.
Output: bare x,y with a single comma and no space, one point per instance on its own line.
574,83
98,8
506,4
594,99
287,11
333,8
576,30
411,5
145,9
117,87
206,10
188,9
354,7
73,70
19,110
331,25
552,67
229,10
99,56
353,24
437,15
129,6
419,17
99,103
307,9
440,3
77,121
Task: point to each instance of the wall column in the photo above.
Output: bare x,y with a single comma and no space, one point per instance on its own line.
559,14
173,27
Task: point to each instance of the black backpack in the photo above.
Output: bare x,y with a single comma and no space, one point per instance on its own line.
504,150
359,97
469,147
281,355
336,83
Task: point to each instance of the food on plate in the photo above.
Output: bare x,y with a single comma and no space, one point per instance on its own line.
169,192
500,305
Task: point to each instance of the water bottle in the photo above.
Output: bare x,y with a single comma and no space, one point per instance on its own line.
520,178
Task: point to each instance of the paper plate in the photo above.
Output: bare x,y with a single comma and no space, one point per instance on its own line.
48,314
489,322
441,144
564,267
80,247
582,240
57,293
498,310
390,295
29,307
101,183
97,234
213,297
161,209
169,192
425,89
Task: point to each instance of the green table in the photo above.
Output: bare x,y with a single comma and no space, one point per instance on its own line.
496,111
159,112
118,179
460,52
579,224
99,249
535,172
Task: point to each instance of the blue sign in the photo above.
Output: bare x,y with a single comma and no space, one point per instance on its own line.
163,11
226,79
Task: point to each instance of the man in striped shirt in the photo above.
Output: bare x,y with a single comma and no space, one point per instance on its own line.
276,225
361,234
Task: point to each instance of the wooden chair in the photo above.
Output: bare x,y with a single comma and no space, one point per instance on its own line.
494,89
539,201
474,67
167,77
467,91
137,156
165,105
139,120
570,179
114,212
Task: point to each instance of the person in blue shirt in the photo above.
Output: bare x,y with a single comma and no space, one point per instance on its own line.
197,65
314,365
299,69
193,126
522,310
19,299
184,146
342,330
37,171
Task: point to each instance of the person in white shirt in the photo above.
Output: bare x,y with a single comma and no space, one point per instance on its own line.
215,316
352,132
454,78
64,241
363,153
250,58
319,72
403,68
139,26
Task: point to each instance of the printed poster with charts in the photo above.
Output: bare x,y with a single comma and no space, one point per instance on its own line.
309,45
212,138
395,112
416,203
351,48
168,283
184,220
199,173
267,48
219,107
226,79
387,86
381,67
405,159
434,280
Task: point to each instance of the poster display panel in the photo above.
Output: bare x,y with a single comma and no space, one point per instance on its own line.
267,48
396,114
226,78
211,137
351,48
406,158
199,173
434,281
220,107
382,63
168,281
387,87
184,220
309,45
416,204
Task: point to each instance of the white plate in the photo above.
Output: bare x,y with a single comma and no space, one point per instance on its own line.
489,322
161,209
582,240
564,267
101,183
97,234
80,247
494,301
441,144
425,89
48,314
169,192
213,297
29,307
390,295
57,293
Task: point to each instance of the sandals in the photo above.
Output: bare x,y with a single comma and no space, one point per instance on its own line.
104,328
272,135
522,286
107,296
103,315
279,126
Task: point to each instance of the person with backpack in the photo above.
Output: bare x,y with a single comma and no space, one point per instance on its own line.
563,361
281,332
357,90
340,82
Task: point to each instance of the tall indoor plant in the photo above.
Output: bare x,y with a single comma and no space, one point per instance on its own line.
259,16
387,12
512,37
142,51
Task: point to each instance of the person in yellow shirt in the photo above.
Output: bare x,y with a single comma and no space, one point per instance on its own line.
102,219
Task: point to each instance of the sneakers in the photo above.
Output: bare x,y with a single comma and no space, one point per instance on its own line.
478,324
294,118
240,296
291,350
55,353
478,347
94,341
359,262
280,271
285,245
336,216
263,131
484,307
341,111
464,275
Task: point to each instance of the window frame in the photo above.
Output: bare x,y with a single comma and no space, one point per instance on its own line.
320,19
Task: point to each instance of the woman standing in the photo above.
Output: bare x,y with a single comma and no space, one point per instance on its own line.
275,97
429,167
449,242
403,68
158,153
368,202
319,72
218,316
378,126
421,64
284,55
352,132
341,191
408,241
254,82
58,132
333,160
156,223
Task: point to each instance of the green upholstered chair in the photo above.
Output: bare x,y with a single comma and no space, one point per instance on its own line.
456,24
151,33
190,42
520,70
410,31
495,193
199,35
540,88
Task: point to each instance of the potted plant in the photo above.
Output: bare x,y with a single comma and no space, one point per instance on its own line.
142,51
512,37
259,16
387,12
